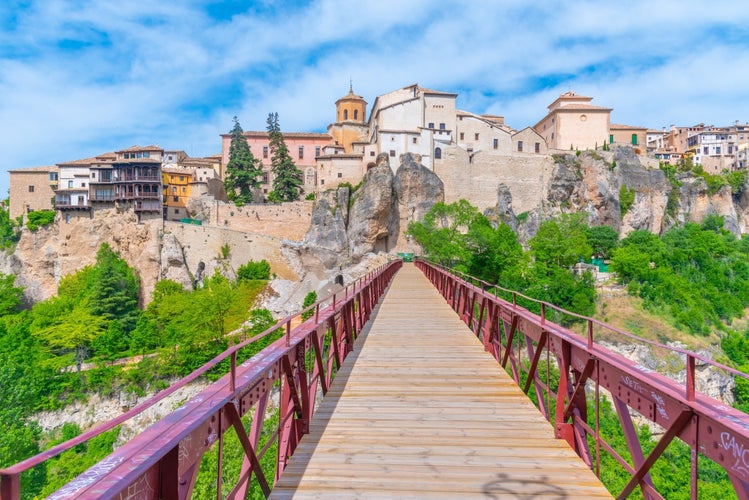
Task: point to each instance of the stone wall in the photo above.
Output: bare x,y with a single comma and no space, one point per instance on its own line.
203,243
478,180
285,221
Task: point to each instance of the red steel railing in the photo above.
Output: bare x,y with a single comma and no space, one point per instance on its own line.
706,425
164,460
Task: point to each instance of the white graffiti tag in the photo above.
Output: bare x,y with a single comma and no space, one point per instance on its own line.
738,451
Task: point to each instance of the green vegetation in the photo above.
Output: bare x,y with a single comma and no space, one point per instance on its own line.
287,180
458,236
57,352
243,169
309,299
697,274
626,199
9,230
254,271
40,218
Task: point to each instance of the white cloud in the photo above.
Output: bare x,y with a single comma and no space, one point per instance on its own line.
172,75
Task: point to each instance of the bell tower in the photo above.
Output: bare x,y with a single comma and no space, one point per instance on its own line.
351,124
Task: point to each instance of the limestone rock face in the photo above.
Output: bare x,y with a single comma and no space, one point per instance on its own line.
372,225
503,212
173,262
417,189
326,237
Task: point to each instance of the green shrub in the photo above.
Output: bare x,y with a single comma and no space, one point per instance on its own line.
309,299
254,271
626,199
40,218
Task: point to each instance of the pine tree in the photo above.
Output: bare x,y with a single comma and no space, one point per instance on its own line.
243,169
287,181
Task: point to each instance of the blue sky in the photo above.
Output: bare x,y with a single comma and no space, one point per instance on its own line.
78,78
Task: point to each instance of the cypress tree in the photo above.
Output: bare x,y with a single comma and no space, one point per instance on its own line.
287,181
243,169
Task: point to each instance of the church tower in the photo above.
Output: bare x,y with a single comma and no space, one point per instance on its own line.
351,124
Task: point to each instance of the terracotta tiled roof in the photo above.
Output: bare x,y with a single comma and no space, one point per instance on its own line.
619,126
580,107
140,148
310,135
49,168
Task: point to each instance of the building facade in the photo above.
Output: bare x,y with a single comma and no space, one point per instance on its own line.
573,123
32,189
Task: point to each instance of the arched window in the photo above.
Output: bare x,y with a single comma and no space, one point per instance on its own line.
437,154
345,114
356,114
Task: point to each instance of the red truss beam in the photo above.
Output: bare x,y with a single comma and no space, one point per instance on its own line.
163,461
708,426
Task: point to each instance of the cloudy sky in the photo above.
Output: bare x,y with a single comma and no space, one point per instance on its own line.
81,77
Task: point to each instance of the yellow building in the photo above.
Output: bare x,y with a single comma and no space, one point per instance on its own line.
177,189
573,123
350,125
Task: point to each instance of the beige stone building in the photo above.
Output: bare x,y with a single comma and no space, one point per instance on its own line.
528,141
636,137
573,123
32,189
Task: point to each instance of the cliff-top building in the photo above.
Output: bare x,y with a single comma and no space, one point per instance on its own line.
32,189
573,123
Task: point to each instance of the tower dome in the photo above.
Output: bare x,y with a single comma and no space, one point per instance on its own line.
351,107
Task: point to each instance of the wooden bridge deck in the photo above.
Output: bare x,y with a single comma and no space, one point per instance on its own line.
419,410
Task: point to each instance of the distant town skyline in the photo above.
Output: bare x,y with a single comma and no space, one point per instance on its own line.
81,78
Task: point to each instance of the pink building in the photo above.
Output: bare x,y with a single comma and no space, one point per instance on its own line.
304,147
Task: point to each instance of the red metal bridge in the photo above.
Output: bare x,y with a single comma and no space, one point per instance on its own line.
386,392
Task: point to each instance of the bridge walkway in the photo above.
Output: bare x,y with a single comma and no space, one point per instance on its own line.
419,410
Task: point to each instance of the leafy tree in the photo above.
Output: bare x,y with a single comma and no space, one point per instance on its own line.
562,241
10,295
243,169
115,289
495,254
442,234
287,181
603,240
73,332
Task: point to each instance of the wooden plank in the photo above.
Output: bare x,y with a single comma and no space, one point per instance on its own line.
420,410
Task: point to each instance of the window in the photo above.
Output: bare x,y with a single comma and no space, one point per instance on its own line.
31,189
414,140
476,136
345,114
496,143
176,211
174,189
146,154
442,126
340,174
83,184
265,177
462,136
437,154
705,150
717,150
175,198
181,178
538,147
93,175
371,153
183,189
520,146
431,125
53,176
356,114
70,184
265,151
67,218
392,152
317,150
301,152
322,181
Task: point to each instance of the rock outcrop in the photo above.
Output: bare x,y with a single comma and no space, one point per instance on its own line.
417,189
502,213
